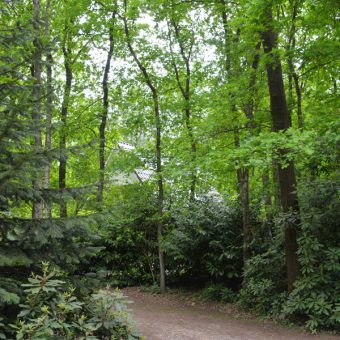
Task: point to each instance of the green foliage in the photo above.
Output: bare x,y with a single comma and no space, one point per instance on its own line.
52,310
204,242
201,243
154,289
25,241
2,326
316,296
218,292
214,120
129,257
263,282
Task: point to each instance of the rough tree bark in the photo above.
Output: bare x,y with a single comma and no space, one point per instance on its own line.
37,210
154,93
281,122
105,111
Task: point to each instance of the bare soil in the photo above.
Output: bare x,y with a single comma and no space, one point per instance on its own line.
178,316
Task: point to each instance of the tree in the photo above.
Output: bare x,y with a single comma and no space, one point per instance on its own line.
49,104
105,109
37,211
185,88
281,122
67,53
232,69
155,99
223,106
27,239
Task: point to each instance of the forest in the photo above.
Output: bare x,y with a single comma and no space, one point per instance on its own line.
167,144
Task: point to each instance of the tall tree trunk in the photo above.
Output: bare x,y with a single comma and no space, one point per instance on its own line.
242,173
37,210
281,122
104,115
186,93
49,107
244,179
63,131
154,93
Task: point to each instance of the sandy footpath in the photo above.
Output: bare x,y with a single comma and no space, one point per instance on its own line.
175,317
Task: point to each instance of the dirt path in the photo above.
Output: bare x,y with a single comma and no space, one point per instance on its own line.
177,317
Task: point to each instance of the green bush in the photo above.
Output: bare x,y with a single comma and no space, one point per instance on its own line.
129,238
218,292
263,282
52,310
130,254
154,289
316,296
204,244
315,299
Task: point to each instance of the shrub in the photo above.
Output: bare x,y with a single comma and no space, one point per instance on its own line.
263,282
218,292
316,296
52,310
130,255
315,299
205,243
154,289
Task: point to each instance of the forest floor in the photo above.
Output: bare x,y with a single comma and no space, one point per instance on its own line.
183,316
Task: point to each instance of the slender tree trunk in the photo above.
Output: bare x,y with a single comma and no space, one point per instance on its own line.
37,211
244,193
299,99
244,180
281,122
193,156
154,93
49,107
242,173
266,190
105,111
186,93
277,192
63,132
227,40
293,76
243,189
267,200
249,106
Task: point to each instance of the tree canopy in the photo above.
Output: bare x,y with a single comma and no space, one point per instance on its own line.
229,109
